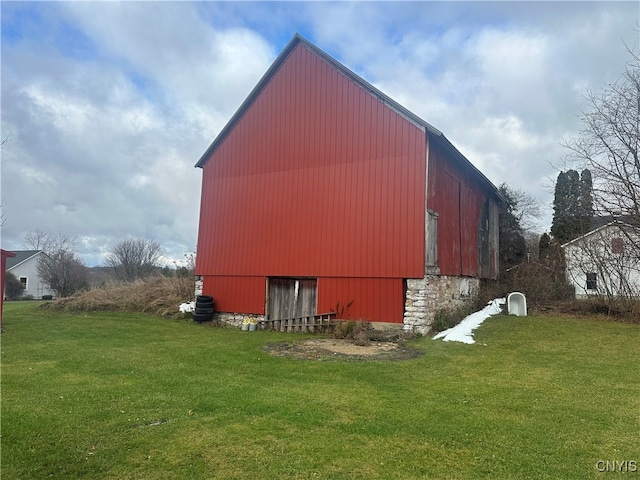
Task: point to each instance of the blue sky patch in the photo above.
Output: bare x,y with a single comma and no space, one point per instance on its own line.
73,43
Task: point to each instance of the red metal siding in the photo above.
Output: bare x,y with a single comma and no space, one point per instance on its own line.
318,178
458,201
4,254
371,299
236,294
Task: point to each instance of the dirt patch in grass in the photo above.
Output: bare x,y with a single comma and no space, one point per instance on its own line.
345,350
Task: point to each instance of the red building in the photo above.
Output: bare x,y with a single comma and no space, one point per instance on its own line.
4,254
323,194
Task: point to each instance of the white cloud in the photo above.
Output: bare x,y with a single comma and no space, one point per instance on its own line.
504,81
107,144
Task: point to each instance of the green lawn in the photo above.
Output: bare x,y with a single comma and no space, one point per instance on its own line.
128,396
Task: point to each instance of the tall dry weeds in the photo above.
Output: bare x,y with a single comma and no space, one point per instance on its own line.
156,295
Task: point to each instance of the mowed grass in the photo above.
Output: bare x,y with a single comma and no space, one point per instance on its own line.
129,396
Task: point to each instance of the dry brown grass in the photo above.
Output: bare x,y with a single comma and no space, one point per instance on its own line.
596,307
156,295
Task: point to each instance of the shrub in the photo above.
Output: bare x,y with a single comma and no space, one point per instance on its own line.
446,318
443,320
542,285
599,307
47,297
357,331
12,286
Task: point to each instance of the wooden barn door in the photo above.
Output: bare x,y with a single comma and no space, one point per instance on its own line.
292,298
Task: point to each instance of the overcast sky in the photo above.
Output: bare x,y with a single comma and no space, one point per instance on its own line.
107,106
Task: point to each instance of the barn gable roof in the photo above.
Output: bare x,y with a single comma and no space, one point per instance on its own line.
20,257
436,135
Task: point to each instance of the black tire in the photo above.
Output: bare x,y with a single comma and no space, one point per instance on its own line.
205,304
202,317
205,310
204,299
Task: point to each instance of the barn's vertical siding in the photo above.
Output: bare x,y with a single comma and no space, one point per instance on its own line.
237,294
372,299
458,199
319,178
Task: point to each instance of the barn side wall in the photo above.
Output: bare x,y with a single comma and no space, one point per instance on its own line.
427,295
318,178
467,218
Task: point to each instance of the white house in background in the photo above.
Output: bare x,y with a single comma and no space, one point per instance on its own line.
605,261
25,268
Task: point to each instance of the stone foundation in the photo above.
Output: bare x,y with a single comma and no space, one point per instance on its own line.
427,295
235,319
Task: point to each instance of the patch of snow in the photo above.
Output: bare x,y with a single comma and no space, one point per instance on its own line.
187,307
463,332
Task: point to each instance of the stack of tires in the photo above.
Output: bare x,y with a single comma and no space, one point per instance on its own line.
204,309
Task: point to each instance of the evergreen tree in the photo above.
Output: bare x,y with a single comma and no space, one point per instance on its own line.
559,228
543,245
513,246
572,205
573,196
586,201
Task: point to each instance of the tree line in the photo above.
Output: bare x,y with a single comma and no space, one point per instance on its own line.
62,269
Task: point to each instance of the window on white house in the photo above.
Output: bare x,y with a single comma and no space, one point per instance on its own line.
592,281
23,282
617,245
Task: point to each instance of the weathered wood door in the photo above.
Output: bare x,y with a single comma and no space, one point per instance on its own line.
292,298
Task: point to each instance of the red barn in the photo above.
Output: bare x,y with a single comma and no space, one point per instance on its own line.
322,194
4,254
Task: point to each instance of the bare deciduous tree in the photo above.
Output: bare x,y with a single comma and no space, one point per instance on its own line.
187,267
605,264
59,267
133,259
609,145
36,240
63,271
526,209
